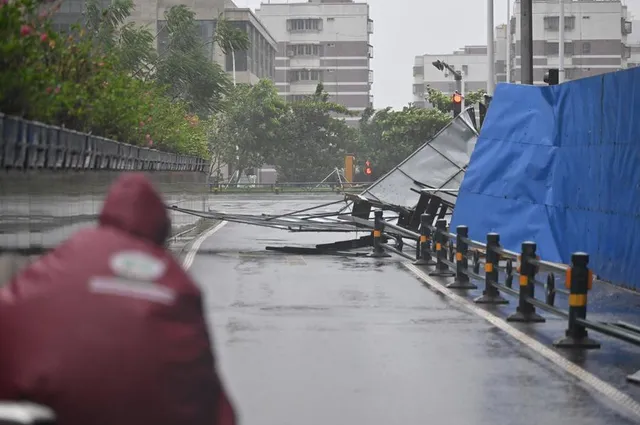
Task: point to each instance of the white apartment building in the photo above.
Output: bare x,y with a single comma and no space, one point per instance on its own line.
596,34
470,60
324,41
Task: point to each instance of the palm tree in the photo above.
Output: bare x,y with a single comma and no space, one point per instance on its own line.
230,39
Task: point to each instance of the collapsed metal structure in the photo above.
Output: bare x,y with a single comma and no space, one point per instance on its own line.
426,182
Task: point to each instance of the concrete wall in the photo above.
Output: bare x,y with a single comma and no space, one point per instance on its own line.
43,209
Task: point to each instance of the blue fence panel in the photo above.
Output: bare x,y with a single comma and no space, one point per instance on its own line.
558,165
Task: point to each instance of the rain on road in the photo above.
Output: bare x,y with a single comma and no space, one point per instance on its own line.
318,340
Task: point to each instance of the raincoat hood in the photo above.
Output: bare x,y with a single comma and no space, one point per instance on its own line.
134,206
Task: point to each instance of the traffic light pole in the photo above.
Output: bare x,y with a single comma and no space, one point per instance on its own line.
459,86
526,45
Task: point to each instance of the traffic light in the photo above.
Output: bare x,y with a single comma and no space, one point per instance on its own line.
457,103
367,168
552,77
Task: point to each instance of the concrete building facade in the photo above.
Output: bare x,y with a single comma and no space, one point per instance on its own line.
324,41
596,34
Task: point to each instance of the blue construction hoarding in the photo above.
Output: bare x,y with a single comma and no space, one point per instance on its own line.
560,165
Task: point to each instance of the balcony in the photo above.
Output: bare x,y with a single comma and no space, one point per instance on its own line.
370,26
370,76
627,27
370,52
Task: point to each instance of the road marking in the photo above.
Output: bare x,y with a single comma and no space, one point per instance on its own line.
569,367
191,255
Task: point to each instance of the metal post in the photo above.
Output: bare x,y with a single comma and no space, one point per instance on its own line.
462,261
460,87
442,270
526,41
579,280
508,41
491,295
525,311
378,228
561,43
491,57
423,251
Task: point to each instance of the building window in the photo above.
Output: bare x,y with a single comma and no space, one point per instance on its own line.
298,97
418,70
313,24
586,48
306,75
304,50
553,48
465,69
552,23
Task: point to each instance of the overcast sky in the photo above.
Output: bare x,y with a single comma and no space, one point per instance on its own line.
406,28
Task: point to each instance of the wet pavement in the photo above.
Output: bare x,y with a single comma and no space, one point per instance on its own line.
319,340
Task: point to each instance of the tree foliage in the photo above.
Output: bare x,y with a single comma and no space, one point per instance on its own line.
443,101
304,140
314,141
247,134
387,137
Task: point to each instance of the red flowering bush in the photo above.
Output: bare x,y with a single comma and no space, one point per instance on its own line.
65,80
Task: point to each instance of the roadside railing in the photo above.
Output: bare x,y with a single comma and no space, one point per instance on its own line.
29,145
457,256
284,187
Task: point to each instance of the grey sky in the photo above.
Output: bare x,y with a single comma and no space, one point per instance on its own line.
406,28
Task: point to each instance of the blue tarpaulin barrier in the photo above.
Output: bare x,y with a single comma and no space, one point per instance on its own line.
560,165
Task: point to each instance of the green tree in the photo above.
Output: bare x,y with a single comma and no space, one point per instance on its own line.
314,141
442,101
387,137
247,134
231,40
185,68
133,46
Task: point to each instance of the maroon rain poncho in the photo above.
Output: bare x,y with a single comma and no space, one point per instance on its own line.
108,329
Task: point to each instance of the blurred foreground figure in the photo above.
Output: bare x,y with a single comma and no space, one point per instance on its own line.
108,329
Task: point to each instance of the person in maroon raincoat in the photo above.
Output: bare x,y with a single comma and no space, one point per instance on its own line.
108,329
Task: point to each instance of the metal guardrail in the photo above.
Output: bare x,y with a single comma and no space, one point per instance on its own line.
456,255
28,145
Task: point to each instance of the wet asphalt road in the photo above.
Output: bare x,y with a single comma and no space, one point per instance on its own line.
329,340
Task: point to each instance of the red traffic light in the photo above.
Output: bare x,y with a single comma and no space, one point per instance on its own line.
457,98
367,171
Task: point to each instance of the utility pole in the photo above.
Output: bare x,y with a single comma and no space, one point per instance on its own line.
508,41
491,57
561,43
526,41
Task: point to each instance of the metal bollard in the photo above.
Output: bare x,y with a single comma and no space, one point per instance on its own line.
526,312
462,261
378,228
442,270
579,281
491,295
423,249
